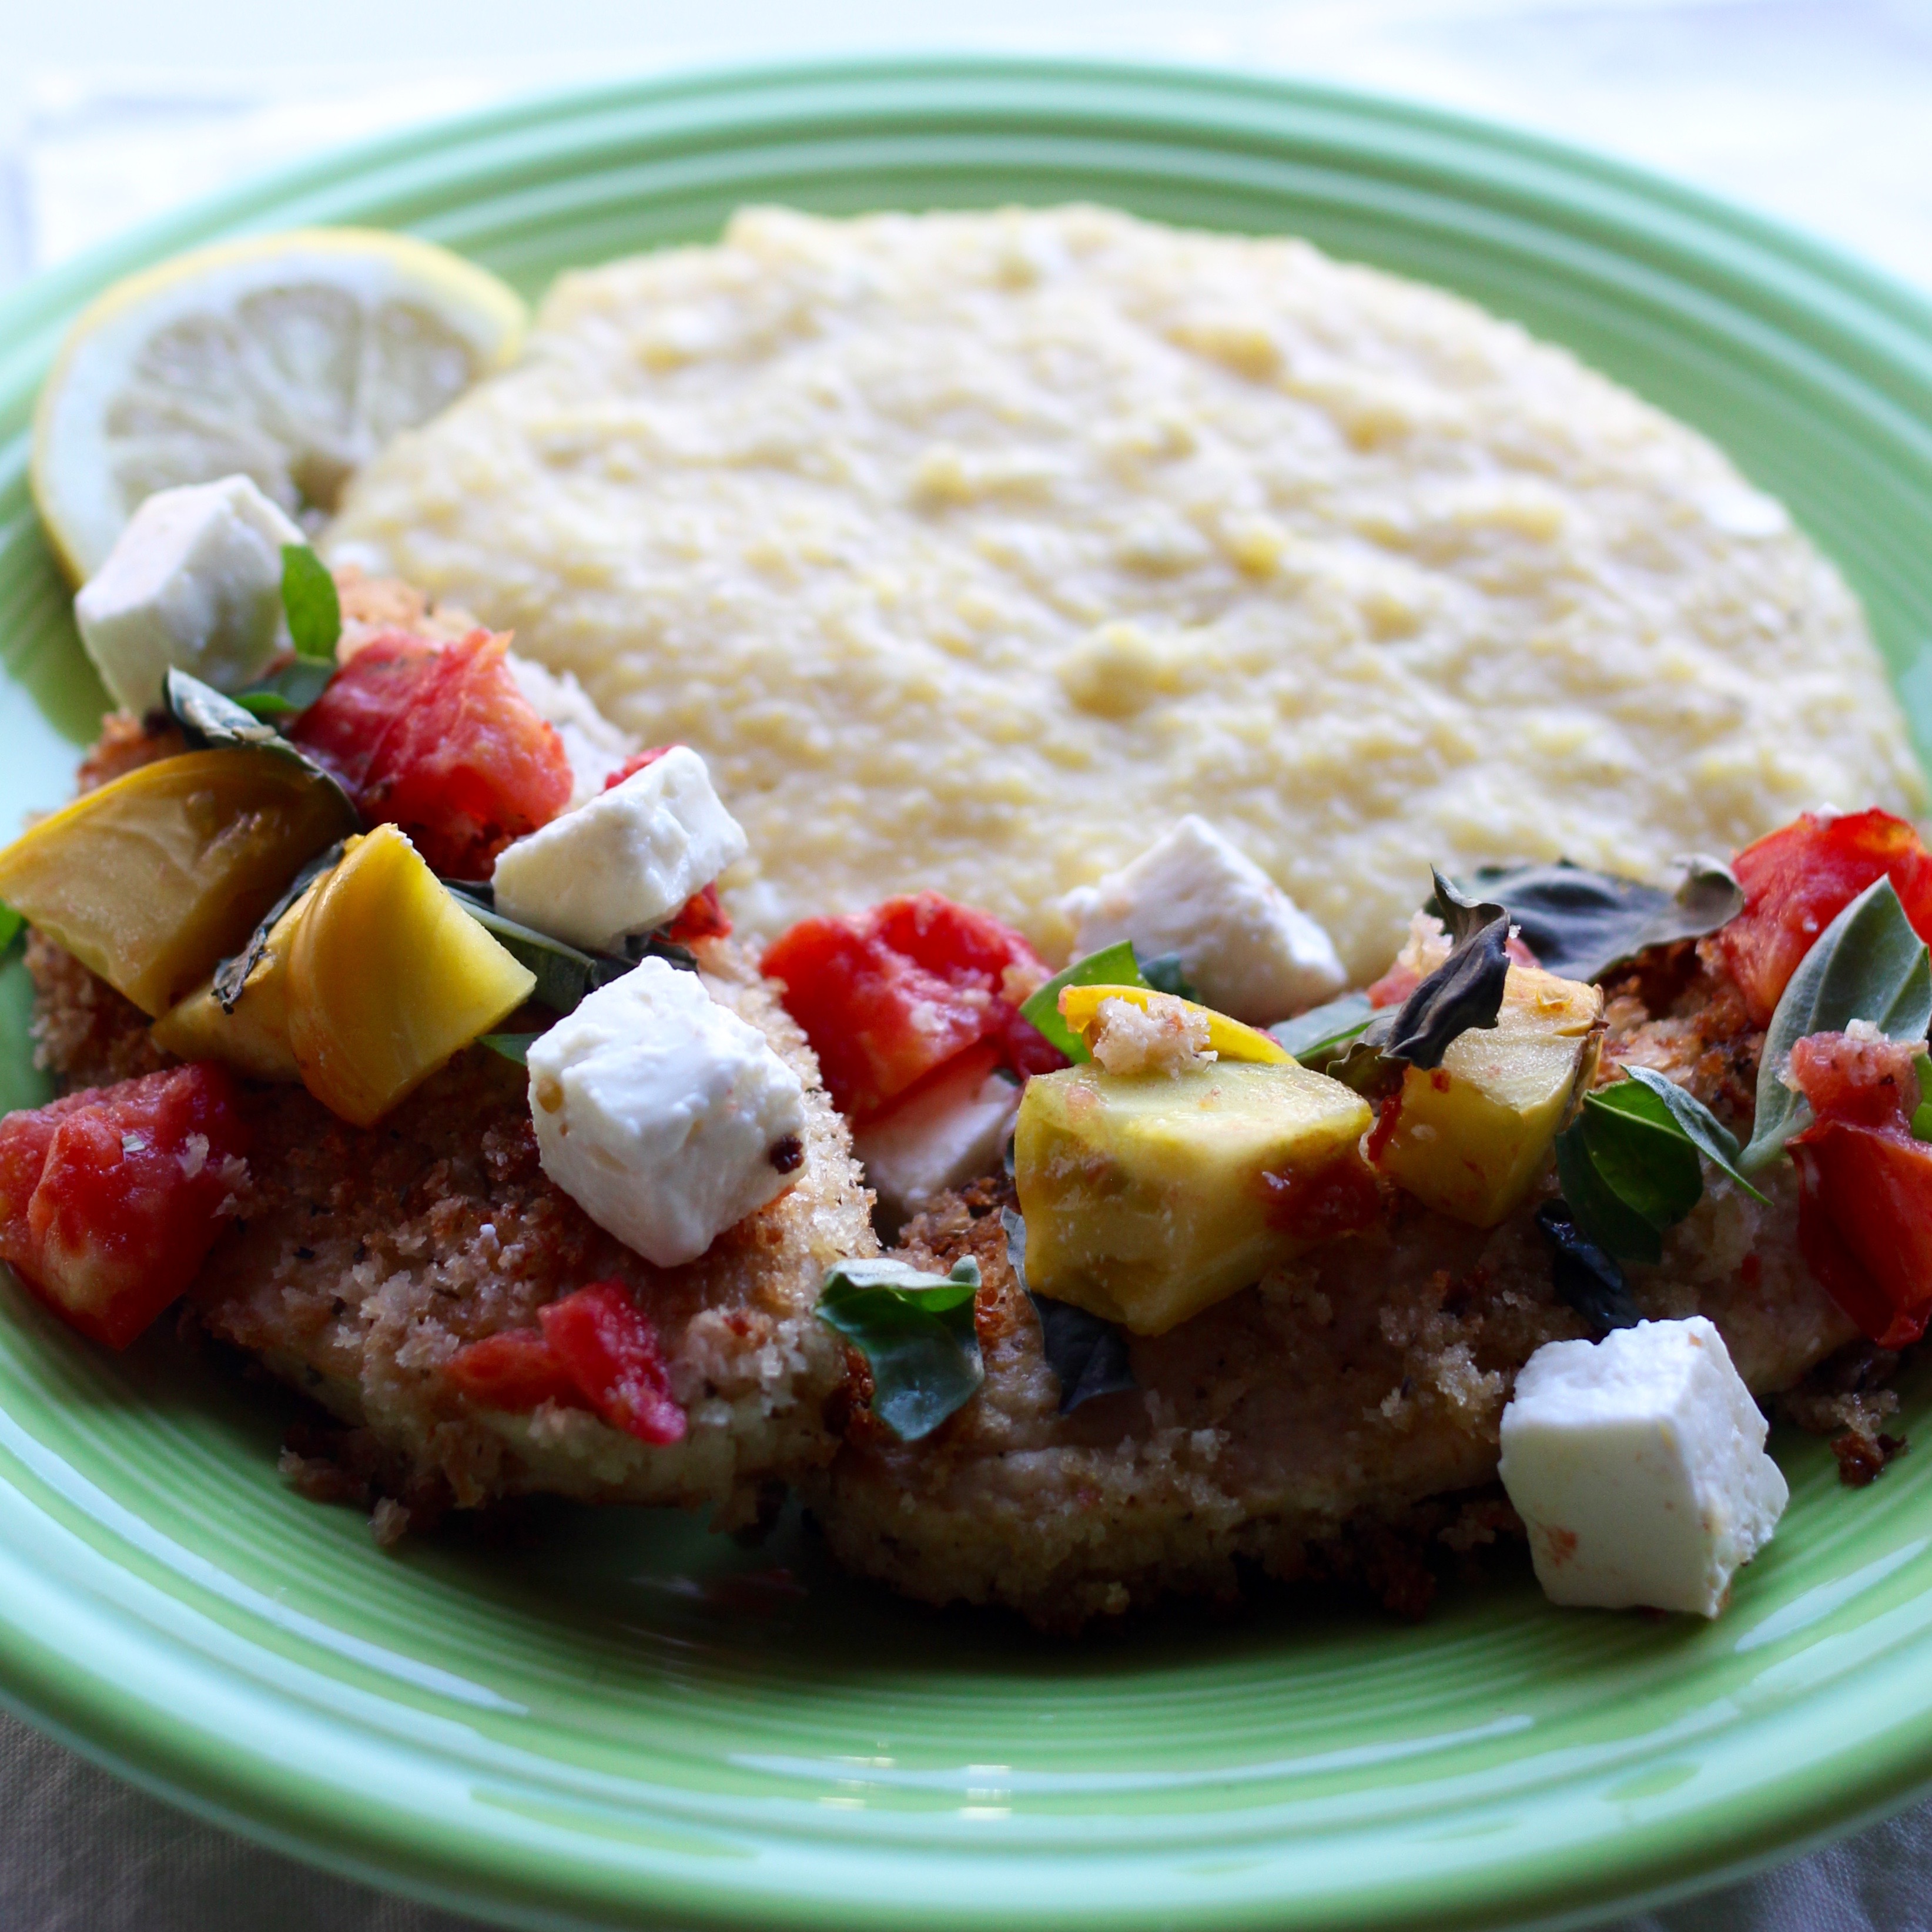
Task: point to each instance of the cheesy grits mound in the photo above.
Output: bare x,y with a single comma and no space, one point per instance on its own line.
972,550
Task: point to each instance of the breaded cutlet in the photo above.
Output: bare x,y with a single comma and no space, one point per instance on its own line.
1341,1416
363,1258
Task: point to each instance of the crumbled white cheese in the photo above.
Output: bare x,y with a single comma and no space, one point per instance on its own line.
662,1115
193,582
1637,1464
625,862
951,1129
1166,1036
594,746
1246,948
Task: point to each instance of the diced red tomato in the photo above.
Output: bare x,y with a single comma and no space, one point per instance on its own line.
110,1199
1798,879
886,996
596,1350
1864,1203
516,1372
438,739
608,1346
703,916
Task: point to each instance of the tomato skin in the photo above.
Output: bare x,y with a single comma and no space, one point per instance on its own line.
438,739
1864,1183
516,1372
1864,1224
886,996
609,1347
1798,879
111,1198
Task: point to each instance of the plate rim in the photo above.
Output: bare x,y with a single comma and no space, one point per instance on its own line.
86,1709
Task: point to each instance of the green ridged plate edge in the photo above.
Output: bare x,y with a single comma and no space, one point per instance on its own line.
615,1720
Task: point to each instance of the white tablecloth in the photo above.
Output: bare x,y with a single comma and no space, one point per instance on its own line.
1820,112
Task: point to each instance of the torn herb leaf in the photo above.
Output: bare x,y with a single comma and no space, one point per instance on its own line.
212,722
1320,1033
1113,965
1604,1216
1164,973
232,974
916,1331
566,975
1922,1114
1585,1277
309,601
1087,1354
12,925
1464,992
292,689
515,1046
1700,1126
1867,964
1579,923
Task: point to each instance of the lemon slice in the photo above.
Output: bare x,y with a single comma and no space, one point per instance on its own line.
291,359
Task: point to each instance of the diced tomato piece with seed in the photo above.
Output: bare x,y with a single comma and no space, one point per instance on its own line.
515,1371
609,1347
1798,879
886,996
1865,1201
110,1199
438,739
1328,1202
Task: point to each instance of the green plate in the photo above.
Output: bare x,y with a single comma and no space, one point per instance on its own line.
613,1719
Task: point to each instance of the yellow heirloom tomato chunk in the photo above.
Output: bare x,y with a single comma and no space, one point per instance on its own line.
388,977
1149,1197
1470,1137
254,1037
151,879
1080,1008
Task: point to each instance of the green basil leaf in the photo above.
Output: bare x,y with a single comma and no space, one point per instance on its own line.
1867,964
1585,1276
1701,1127
1319,1033
1464,992
12,925
1113,965
566,975
293,688
309,601
232,974
1641,1154
1580,923
1087,1354
1165,974
1922,1114
511,1045
212,722
1605,1218
916,1332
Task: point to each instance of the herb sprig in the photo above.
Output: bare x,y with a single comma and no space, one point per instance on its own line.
1086,1353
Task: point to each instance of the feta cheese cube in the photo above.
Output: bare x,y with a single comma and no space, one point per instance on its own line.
193,583
1247,948
625,862
951,1129
594,746
1637,1463
662,1115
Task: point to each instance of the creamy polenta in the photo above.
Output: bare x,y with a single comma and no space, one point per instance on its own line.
972,550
